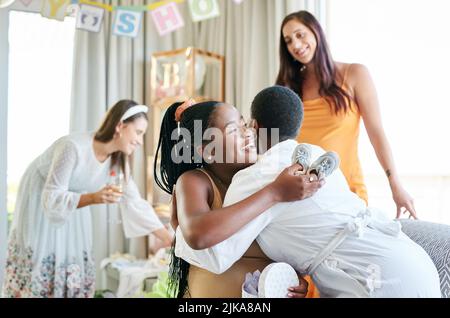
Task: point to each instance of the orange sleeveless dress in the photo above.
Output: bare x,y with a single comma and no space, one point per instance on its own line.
204,284
321,126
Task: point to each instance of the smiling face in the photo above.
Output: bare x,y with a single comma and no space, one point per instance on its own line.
238,141
300,41
131,135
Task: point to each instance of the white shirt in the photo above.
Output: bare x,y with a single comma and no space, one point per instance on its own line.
270,227
297,232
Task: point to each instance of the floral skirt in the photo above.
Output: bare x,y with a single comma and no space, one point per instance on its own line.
50,276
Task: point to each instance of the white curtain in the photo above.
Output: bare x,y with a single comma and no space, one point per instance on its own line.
108,68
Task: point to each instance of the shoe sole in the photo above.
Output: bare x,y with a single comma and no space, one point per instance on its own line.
336,162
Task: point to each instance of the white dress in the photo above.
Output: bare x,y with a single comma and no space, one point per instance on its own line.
50,242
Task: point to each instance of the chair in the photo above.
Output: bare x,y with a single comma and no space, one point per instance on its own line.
435,240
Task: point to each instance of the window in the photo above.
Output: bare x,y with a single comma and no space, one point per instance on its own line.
39,84
405,45
40,77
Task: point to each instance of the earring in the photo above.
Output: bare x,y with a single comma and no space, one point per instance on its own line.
209,158
302,68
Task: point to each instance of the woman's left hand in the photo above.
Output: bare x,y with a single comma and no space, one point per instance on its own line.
403,200
299,291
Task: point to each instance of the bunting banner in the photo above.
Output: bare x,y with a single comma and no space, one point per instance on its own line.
90,18
55,9
203,9
127,23
167,18
127,19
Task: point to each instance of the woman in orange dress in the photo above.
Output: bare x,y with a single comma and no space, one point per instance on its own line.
335,97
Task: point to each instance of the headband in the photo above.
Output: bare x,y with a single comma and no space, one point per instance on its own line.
182,108
133,111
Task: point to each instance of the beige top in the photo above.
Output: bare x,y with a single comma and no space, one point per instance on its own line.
204,284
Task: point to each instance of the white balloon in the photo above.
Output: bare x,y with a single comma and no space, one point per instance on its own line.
200,71
180,60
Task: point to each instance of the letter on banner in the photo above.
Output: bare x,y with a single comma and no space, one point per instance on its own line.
167,18
203,9
54,9
90,18
26,3
127,23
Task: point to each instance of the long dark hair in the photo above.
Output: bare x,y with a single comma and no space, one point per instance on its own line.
107,130
170,171
325,68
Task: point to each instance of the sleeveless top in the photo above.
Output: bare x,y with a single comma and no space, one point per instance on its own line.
340,133
204,284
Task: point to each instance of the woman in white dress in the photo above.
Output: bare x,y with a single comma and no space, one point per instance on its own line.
50,243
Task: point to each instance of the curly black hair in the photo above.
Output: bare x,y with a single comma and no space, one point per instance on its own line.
280,108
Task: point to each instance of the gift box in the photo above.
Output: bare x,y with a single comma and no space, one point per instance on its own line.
273,282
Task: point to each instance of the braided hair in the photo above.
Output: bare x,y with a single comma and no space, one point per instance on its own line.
173,166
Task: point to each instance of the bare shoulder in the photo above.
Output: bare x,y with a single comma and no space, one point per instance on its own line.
194,183
357,72
341,68
193,178
194,194
352,69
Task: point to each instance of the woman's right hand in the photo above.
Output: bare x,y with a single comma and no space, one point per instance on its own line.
289,186
109,194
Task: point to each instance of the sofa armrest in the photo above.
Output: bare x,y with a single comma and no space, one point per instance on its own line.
435,240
